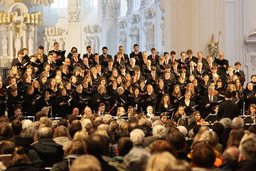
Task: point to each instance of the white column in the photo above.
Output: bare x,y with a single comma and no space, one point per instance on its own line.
110,10
23,33
10,40
74,24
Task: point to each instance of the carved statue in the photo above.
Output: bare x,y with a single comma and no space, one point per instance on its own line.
104,9
122,39
31,45
17,44
129,7
214,46
74,16
18,19
4,46
142,3
134,36
163,28
151,33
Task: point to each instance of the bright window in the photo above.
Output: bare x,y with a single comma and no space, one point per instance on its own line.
60,4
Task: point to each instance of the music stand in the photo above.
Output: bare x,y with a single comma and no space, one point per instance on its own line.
248,119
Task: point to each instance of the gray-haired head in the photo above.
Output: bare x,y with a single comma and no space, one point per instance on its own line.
159,132
137,159
137,136
226,122
247,149
44,132
238,123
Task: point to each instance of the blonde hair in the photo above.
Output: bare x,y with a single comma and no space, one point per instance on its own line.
80,135
164,161
86,162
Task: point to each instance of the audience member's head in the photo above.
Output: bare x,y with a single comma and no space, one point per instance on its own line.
124,145
210,137
77,147
19,156
252,129
136,159
218,128
86,163
162,146
237,123
30,132
74,127
177,139
61,131
6,147
191,119
137,136
97,145
26,123
183,130
235,137
5,131
247,149
80,135
159,132
230,155
63,122
161,161
226,122
44,132
16,127
203,155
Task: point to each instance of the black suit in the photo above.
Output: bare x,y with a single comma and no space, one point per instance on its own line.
153,62
206,100
208,68
77,62
150,78
20,65
228,109
104,58
222,70
241,76
124,58
193,58
189,71
137,57
203,60
182,64
91,57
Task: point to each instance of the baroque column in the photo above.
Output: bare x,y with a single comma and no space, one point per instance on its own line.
110,11
10,29
75,24
24,30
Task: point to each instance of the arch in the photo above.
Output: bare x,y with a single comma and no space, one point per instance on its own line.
18,6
